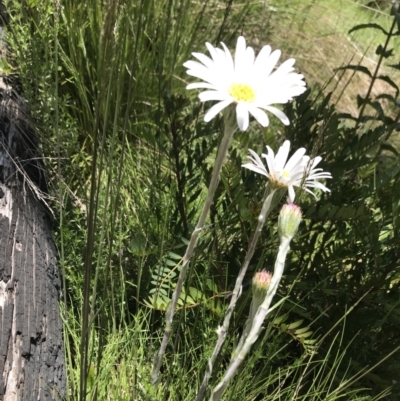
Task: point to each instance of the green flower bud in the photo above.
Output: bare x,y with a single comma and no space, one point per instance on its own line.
261,281
289,220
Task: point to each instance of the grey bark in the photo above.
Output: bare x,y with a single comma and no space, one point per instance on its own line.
31,343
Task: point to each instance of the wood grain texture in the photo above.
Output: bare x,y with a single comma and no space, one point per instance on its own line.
31,342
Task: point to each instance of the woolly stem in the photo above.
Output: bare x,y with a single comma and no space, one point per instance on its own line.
268,205
247,342
230,128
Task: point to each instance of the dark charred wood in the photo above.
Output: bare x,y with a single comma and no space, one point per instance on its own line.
31,342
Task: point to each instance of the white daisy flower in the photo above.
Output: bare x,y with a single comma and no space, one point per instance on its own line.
298,171
247,81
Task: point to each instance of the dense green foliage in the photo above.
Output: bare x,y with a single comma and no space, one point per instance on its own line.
129,159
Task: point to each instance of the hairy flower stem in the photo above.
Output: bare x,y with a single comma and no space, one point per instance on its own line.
245,344
230,129
258,299
272,198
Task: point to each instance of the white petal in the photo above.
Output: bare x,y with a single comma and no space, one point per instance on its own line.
280,114
212,51
306,160
204,59
200,85
248,64
270,158
256,158
292,194
271,62
214,110
259,115
310,192
279,88
281,156
298,178
194,65
318,176
295,159
205,75
284,69
242,116
228,57
262,59
256,169
240,56
315,162
287,65
213,95
221,56
316,184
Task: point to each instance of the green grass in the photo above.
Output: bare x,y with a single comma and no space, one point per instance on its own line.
317,34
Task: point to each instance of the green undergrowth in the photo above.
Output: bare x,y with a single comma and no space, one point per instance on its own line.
319,35
129,158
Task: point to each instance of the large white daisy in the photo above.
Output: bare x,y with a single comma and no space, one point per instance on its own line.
247,81
298,171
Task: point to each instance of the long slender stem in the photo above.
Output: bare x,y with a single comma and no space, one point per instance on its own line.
262,312
255,304
230,128
271,200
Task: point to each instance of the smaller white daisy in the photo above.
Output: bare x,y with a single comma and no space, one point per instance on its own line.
298,171
246,80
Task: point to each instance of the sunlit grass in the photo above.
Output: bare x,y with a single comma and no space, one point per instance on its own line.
317,34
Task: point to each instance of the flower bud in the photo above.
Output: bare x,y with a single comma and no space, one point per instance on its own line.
261,281
289,220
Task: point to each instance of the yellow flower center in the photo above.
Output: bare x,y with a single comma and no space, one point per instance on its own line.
242,92
285,174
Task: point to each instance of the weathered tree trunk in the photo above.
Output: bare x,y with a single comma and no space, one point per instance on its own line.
31,344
